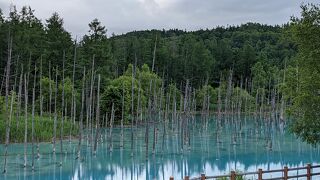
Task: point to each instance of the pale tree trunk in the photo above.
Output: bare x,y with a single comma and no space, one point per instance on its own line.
139,113
32,132
33,109
91,99
55,112
73,104
147,121
18,118
8,131
81,113
228,95
282,108
41,107
62,111
219,105
154,54
50,91
97,117
6,101
111,126
122,117
40,90
25,119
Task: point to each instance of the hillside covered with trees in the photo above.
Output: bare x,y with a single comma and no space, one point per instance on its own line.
258,63
179,55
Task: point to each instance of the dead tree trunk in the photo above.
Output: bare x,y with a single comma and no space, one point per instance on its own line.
122,117
91,100
111,126
154,54
25,119
55,112
97,117
50,91
81,113
62,111
6,99
32,132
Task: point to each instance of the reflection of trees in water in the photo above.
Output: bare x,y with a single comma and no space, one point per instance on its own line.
211,148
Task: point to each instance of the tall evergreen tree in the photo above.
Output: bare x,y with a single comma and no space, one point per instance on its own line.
97,44
58,40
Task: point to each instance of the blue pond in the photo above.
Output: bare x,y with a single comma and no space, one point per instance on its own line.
242,146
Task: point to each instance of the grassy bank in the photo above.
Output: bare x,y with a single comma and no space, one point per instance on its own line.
43,128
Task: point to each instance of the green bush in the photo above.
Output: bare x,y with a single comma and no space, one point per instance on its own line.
43,128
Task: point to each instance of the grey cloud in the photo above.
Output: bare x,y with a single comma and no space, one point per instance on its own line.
120,16
4,6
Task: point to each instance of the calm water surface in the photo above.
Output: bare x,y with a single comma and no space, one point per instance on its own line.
244,146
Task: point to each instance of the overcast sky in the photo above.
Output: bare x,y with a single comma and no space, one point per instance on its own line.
121,16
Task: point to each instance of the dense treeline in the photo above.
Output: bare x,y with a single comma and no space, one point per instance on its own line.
179,55
205,53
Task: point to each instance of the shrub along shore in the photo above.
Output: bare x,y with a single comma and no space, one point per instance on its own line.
43,128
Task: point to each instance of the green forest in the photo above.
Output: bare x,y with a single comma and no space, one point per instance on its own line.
251,68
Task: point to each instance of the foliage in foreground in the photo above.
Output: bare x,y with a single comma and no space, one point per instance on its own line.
303,85
43,128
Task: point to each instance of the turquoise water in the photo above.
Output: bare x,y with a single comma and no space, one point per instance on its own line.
241,146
